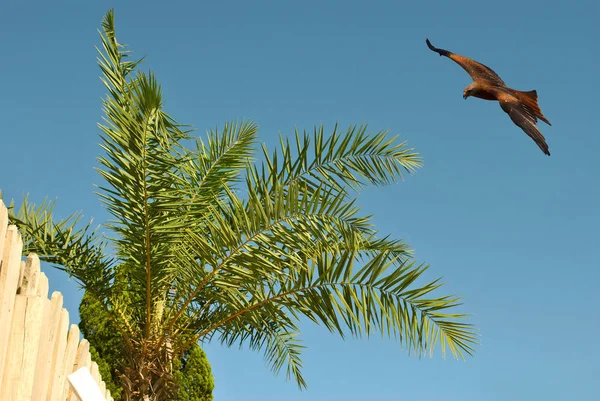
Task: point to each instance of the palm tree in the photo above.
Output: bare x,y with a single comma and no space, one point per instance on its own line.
209,243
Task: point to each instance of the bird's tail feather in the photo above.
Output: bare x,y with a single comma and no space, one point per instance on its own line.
530,99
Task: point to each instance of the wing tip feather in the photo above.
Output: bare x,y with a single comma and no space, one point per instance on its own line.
441,52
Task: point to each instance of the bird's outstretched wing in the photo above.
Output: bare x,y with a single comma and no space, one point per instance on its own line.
476,70
521,116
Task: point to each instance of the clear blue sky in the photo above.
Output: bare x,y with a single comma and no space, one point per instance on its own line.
513,231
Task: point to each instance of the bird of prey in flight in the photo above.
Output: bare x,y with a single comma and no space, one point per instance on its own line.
522,107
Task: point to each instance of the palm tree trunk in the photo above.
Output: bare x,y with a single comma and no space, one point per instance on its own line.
149,376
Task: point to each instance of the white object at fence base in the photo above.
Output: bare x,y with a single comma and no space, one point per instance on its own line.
84,385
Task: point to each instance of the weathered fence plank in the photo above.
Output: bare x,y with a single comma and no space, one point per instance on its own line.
58,372
9,276
3,228
43,287
14,357
95,373
30,280
102,387
47,344
70,356
83,354
34,312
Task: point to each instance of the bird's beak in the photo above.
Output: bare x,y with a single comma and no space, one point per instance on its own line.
465,96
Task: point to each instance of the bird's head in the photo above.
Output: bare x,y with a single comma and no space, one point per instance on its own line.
469,91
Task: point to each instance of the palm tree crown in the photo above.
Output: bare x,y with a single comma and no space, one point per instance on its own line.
210,243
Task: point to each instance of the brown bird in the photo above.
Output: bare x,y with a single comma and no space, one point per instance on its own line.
522,107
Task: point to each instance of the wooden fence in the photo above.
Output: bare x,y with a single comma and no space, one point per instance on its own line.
38,350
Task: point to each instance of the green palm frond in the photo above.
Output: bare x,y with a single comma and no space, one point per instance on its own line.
353,158
219,162
71,246
112,60
333,293
279,342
